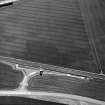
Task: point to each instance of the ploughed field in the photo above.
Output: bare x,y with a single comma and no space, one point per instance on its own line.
9,78
26,85
51,31
13,100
